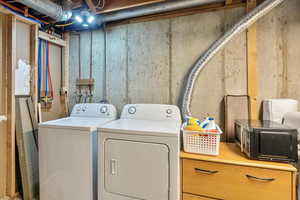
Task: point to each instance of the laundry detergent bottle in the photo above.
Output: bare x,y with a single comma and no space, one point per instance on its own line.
209,124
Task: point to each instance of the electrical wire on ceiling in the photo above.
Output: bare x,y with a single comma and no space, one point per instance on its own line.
64,25
100,5
96,5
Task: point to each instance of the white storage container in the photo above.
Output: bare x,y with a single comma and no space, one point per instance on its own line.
275,109
201,143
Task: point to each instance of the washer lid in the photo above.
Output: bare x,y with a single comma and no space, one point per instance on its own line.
144,127
79,123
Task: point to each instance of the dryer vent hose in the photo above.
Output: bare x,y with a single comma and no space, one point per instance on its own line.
260,11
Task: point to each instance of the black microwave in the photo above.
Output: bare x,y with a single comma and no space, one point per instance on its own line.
267,140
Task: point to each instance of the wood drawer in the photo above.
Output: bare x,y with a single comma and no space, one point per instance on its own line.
226,181
193,197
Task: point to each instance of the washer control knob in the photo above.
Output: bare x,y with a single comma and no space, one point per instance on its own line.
78,108
84,108
131,110
103,109
169,111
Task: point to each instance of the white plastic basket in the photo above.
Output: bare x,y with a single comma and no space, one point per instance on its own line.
201,143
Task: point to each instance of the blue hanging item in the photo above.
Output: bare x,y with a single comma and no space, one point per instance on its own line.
44,74
40,69
47,68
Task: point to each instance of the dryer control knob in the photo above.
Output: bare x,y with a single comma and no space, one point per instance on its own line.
103,109
78,109
169,111
131,110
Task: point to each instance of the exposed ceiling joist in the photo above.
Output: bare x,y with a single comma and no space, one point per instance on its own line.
114,5
105,6
182,12
77,4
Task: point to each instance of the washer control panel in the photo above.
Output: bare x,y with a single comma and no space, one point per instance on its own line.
94,110
104,109
151,112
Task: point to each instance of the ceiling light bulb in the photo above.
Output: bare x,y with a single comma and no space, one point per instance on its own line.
69,14
66,16
79,19
91,19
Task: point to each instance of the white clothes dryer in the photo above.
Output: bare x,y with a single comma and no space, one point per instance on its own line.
139,154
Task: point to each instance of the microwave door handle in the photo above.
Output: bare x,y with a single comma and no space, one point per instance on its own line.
260,179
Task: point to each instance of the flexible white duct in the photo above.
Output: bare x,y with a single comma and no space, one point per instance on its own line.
243,24
48,8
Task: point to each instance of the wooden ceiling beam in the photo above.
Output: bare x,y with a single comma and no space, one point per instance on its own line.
228,2
17,9
182,12
114,5
77,4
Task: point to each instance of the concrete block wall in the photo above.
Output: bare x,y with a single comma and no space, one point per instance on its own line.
148,62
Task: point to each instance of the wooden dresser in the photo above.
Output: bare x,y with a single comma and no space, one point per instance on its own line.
232,176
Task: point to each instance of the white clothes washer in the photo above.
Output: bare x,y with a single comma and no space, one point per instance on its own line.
139,154
68,153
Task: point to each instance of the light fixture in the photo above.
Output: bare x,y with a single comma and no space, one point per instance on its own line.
85,18
67,15
91,19
78,19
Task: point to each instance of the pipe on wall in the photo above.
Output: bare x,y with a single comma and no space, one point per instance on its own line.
153,9
219,44
48,8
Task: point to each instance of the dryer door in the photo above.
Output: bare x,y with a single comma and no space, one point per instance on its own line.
137,170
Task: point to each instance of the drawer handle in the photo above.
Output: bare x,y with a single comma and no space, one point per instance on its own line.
198,170
260,179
